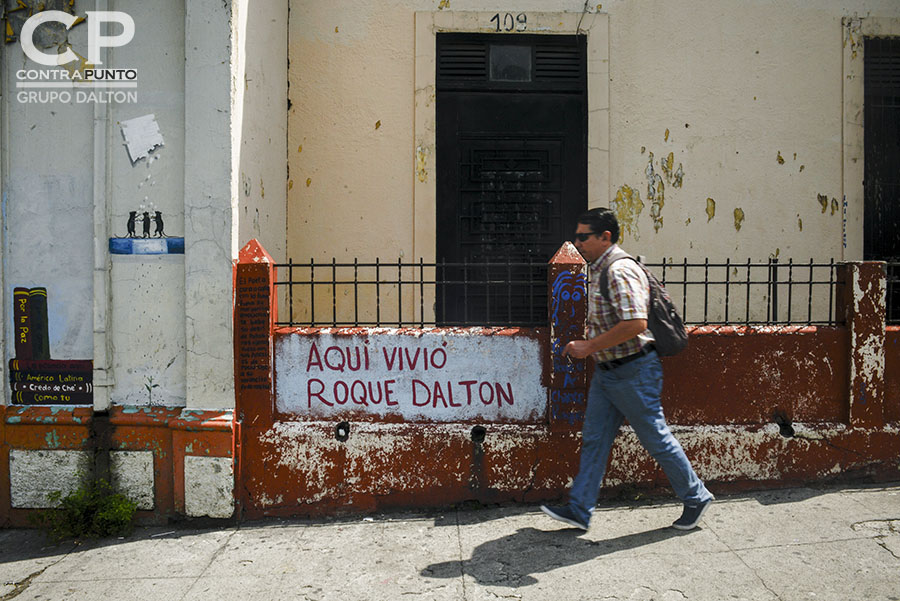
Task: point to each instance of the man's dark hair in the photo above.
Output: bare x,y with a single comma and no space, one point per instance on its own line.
601,220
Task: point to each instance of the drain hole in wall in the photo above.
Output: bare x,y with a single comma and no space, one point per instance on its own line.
342,431
478,434
785,428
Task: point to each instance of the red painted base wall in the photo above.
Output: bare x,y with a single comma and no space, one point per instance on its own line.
721,397
170,434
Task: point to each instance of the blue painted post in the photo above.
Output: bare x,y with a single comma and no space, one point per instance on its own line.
567,281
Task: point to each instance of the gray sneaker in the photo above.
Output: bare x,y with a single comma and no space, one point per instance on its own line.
691,515
564,514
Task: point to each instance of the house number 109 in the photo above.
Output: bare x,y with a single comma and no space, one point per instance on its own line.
509,23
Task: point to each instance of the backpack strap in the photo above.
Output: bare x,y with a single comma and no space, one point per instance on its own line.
617,255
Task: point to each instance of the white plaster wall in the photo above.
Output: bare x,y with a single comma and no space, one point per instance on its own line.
147,322
132,476
68,185
435,376
210,201
727,89
208,487
263,132
33,475
734,83
148,331
157,52
47,208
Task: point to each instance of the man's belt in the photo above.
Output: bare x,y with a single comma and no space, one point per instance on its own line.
614,363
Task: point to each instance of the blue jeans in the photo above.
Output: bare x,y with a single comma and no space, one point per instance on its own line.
630,391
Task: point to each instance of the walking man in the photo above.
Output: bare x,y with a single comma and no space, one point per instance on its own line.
627,382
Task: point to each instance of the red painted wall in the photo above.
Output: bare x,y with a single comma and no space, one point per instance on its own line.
735,375
169,433
722,396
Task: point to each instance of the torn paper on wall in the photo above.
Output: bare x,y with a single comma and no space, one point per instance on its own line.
141,135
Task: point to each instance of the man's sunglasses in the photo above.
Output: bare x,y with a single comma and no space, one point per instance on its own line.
583,237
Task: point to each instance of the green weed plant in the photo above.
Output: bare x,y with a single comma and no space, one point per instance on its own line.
94,510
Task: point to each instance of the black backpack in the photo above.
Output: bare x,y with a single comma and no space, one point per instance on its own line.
663,319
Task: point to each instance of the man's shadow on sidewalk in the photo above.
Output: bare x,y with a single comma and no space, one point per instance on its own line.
511,560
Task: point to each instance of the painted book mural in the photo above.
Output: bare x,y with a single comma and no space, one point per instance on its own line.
34,377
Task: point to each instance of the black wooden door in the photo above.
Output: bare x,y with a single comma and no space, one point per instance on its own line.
511,170
881,235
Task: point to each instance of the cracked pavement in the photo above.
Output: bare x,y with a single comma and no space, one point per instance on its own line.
840,543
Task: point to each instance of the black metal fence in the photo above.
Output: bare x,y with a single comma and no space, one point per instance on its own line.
752,293
399,294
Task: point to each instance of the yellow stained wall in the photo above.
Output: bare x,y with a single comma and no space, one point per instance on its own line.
725,127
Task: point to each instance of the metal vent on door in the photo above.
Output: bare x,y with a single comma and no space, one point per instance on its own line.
882,65
462,62
467,61
555,63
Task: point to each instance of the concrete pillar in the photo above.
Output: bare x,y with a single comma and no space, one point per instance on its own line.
567,378
210,202
255,312
864,308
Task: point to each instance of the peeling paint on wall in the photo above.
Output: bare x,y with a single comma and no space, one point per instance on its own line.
854,36
870,352
656,194
673,176
678,177
628,206
421,163
710,209
738,218
49,35
667,165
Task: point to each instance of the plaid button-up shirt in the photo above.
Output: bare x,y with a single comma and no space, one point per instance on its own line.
629,293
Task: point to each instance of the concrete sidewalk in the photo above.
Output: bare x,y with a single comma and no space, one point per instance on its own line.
822,544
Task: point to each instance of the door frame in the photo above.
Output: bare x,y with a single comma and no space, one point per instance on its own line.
595,26
854,31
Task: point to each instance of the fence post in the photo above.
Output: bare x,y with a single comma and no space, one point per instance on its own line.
255,312
567,282
862,304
